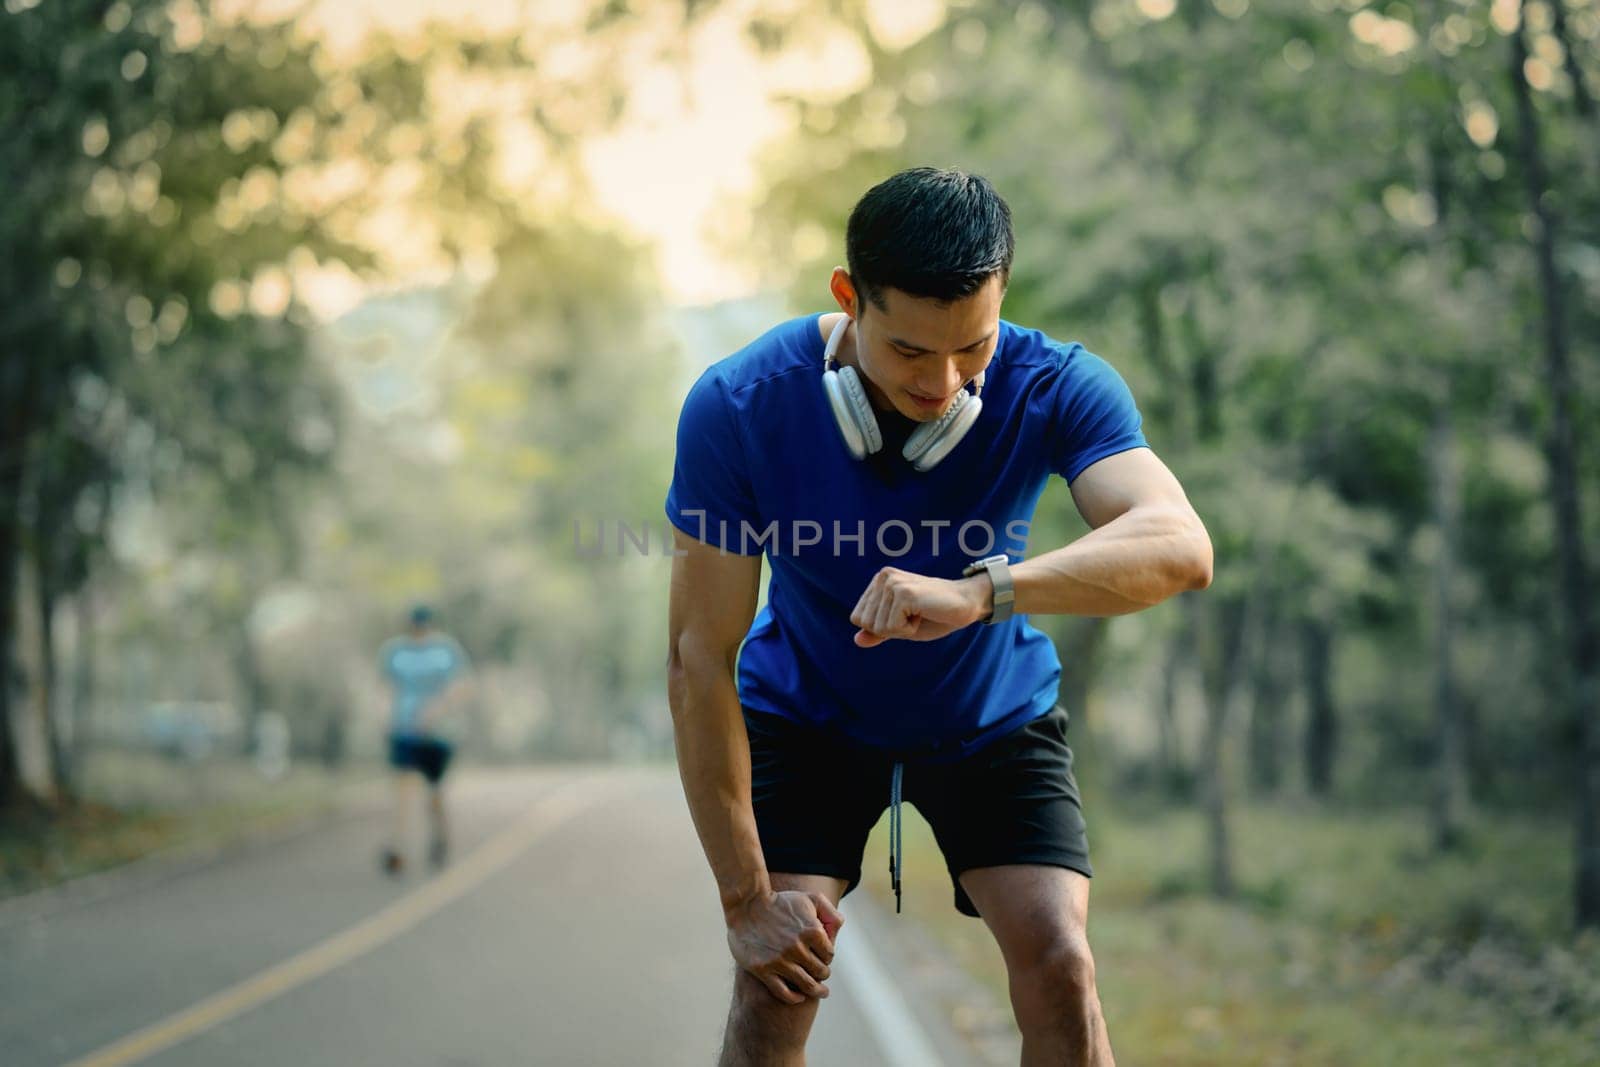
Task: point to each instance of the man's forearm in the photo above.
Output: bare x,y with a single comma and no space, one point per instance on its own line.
1132,562
714,763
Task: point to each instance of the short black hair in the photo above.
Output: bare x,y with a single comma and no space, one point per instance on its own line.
929,233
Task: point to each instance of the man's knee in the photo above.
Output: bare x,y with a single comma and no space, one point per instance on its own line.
1056,968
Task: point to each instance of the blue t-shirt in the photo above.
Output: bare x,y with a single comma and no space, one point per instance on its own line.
419,670
761,466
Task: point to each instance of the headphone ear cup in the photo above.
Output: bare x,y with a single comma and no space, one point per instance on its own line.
852,411
932,441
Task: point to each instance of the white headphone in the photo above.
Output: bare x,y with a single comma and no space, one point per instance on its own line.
928,444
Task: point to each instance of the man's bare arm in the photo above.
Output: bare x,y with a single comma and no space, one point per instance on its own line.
1146,544
783,939
713,602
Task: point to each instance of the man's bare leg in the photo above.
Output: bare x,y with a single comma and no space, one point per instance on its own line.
1039,916
439,836
402,800
763,1031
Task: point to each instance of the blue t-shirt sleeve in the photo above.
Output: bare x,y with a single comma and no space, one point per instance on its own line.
711,492
1096,415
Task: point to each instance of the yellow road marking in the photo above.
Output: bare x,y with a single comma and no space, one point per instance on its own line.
356,941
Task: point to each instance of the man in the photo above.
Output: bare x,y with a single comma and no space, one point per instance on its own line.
425,670
889,660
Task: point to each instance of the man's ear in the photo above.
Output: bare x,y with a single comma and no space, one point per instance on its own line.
844,291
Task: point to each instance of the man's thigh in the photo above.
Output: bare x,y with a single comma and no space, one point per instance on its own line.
1030,907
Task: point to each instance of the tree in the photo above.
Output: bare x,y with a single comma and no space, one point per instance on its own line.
1563,446
142,253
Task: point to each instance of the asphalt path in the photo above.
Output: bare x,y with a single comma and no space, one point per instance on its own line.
576,924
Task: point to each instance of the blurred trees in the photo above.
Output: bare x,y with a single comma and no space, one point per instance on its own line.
1308,237
146,333
519,398
573,325
541,398
184,184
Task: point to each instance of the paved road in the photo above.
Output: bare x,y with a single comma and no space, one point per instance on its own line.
577,925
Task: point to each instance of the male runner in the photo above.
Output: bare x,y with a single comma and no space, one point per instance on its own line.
425,669
890,659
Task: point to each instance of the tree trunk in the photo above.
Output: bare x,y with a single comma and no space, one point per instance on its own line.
1322,724
1582,99
1203,374
1169,753
1268,694
1161,406
10,559
83,673
1222,641
1083,638
252,687
44,591
1562,449
1450,753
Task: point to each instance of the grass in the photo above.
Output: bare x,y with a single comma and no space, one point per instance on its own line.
1347,943
136,804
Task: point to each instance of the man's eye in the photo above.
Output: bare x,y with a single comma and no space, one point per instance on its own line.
908,355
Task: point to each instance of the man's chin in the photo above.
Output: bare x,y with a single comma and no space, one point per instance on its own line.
917,413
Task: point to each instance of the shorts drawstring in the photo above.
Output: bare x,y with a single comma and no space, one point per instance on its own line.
895,855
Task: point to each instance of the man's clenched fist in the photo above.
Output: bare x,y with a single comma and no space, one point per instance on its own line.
915,607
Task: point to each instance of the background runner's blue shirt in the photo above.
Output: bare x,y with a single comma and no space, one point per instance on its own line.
419,670
758,445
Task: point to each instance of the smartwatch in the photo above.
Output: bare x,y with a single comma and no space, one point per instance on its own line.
999,571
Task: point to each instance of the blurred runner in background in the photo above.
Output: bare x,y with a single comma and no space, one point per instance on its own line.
427,670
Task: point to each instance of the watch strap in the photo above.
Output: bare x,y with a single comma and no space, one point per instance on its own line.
998,568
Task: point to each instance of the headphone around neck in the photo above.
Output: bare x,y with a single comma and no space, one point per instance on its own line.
928,444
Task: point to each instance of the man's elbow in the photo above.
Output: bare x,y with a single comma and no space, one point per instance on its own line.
677,675
691,663
1200,558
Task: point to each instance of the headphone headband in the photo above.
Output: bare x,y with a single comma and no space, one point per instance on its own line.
830,354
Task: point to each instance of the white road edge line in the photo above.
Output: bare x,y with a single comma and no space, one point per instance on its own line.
378,929
900,1037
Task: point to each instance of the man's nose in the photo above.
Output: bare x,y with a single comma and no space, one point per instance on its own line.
948,381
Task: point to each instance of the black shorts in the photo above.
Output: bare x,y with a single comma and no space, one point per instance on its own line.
428,755
818,795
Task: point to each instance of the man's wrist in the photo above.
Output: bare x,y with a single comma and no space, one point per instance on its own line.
1001,592
980,592
745,893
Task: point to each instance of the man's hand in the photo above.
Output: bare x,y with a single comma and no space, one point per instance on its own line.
786,941
898,603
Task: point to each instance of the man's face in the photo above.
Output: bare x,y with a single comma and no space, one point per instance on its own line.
917,353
